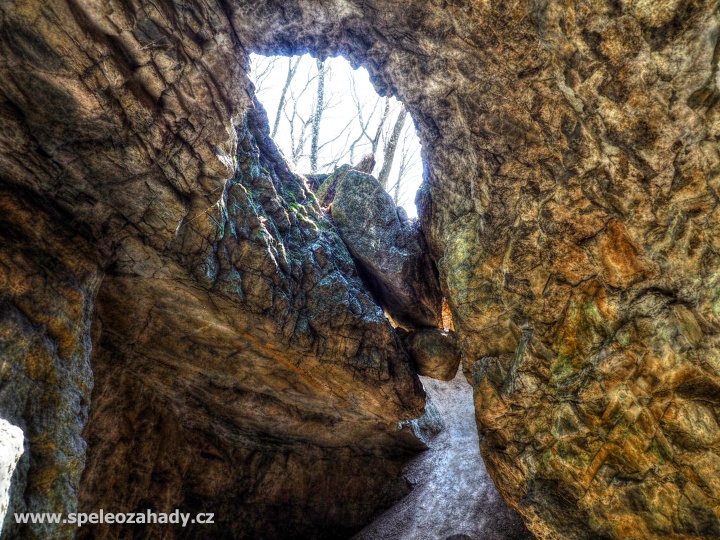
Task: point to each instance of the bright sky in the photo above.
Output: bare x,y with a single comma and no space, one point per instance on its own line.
345,88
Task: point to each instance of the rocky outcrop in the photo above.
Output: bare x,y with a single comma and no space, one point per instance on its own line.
391,253
11,448
155,247
578,262
435,352
270,396
571,205
389,250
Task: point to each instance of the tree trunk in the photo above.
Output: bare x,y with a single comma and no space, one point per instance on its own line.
378,132
318,115
291,73
390,147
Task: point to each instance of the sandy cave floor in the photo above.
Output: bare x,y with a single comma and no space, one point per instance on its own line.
453,493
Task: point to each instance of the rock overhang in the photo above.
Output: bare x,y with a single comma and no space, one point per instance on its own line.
552,199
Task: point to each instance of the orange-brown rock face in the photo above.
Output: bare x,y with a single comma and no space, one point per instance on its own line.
571,205
240,366
253,377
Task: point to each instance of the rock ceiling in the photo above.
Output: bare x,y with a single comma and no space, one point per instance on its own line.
181,325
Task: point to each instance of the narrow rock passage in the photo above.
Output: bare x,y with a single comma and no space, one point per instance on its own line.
453,493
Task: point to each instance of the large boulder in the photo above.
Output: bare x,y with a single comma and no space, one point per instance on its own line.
435,352
389,250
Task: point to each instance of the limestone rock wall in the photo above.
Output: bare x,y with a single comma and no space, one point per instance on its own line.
571,206
239,364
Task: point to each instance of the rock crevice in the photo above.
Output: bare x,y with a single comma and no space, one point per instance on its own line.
393,260
570,203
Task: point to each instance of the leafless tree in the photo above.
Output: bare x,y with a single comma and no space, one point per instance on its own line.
378,132
298,123
391,146
292,69
409,160
363,123
262,70
322,140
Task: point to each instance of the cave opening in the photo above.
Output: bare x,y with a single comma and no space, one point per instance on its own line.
180,331
324,114
330,123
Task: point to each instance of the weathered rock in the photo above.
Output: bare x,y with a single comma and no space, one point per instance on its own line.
435,352
571,204
366,163
47,285
11,448
258,395
389,250
428,425
241,366
325,192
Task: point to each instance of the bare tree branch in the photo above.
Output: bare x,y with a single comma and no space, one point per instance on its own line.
320,131
390,147
292,69
262,69
317,117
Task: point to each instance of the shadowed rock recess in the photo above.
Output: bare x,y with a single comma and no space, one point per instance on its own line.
181,327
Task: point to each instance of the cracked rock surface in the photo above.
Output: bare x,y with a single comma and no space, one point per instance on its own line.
571,205
272,395
180,326
388,249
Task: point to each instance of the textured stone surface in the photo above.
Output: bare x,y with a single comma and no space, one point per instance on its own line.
328,184
47,285
241,366
271,396
11,448
435,352
571,204
388,249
